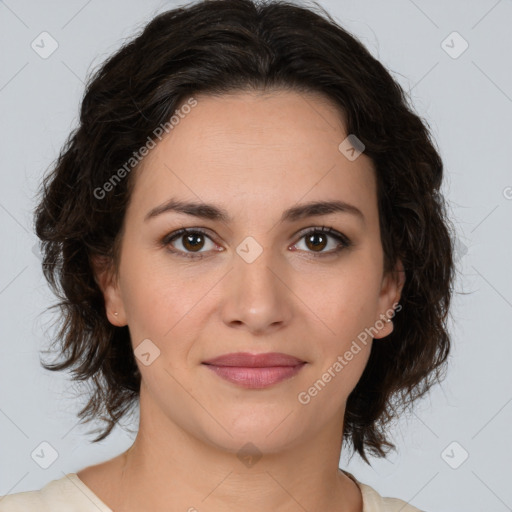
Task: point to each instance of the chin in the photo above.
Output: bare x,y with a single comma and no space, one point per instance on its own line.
254,431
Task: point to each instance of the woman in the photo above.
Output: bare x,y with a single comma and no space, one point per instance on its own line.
248,240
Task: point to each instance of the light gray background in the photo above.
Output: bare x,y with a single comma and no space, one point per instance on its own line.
468,103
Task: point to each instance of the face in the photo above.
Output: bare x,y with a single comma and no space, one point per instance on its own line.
264,279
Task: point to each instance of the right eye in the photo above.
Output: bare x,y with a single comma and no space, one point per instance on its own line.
190,239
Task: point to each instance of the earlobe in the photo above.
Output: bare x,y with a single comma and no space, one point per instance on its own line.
115,318
104,277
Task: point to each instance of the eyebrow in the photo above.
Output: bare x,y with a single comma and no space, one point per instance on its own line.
215,213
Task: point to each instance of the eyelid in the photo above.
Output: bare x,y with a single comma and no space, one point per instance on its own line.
323,229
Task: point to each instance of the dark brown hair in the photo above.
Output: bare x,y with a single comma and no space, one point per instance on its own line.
218,47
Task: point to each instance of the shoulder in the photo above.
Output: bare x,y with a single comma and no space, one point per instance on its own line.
374,502
67,494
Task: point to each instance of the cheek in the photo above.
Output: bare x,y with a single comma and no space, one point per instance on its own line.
345,301
152,306
162,309
148,286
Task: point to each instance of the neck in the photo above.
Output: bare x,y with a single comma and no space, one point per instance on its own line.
167,468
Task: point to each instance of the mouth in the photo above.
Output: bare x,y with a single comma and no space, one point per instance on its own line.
255,371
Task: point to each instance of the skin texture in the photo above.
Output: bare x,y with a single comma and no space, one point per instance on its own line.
254,155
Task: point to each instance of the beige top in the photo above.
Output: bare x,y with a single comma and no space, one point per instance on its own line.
70,494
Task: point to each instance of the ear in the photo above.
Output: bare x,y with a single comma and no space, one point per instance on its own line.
391,291
104,276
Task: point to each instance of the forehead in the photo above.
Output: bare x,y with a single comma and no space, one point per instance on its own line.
252,150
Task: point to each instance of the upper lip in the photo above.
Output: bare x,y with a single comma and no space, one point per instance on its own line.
244,359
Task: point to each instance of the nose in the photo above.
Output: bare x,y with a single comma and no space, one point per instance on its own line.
256,295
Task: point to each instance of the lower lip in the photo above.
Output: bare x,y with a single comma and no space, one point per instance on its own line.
255,378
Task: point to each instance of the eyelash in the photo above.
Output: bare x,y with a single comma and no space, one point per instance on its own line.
342,239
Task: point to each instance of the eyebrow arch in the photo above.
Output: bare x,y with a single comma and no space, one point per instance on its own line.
212,212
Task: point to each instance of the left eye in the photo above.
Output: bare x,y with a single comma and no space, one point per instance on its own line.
193,240
317,238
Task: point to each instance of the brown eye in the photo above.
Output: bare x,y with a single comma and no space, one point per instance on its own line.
188,243
193,241
317,239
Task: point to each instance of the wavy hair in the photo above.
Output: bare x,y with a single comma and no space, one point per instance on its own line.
218,47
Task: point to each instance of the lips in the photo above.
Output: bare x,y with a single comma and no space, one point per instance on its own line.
246,360
255,371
